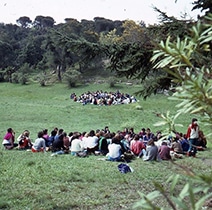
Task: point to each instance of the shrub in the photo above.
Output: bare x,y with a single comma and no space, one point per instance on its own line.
72,77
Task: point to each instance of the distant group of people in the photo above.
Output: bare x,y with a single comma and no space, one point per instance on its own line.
115,146
103,98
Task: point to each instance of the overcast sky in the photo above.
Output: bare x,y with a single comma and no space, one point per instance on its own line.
137,10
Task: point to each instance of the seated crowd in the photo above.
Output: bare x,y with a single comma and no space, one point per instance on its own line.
103,98
115,146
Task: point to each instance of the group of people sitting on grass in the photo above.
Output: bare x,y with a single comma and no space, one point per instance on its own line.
103,98
115,146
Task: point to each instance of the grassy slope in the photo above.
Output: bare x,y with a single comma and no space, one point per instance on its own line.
33,107
39,181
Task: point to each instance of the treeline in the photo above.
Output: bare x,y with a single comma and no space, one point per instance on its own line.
41,50
40,45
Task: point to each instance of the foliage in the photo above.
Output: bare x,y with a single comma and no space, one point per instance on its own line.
193,195
129,60
109,38
44,78
24,21
188,198
130,55
187,62
72,77
112,82
169,122
6,74
203,5
194,93
133,33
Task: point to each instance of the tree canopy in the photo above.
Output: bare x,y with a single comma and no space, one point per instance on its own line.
121,48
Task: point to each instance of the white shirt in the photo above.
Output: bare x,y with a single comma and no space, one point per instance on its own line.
114,150
91,141
76,145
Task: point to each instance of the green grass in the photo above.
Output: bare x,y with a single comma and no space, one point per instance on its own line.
39,181
35,108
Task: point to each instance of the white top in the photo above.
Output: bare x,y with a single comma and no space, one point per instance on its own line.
5,141
114,150
77,145
91,141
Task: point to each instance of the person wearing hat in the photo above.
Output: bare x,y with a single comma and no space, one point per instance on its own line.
192,135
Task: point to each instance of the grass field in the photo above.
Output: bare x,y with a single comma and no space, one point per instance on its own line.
39,181
35,108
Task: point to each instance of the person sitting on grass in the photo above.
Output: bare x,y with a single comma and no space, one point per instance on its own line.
59,132
184,142
176,146
76,144
149,135
9,139
58,147
66,142
51,138
39,144
201,142
142,133
92,142
24,141
45,135
164,151
151,151
114,148
137,147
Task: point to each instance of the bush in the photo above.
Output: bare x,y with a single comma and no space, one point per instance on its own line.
112,82
72,77
15,78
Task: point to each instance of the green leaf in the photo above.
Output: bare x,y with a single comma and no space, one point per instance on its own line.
180,203
174,182
185,191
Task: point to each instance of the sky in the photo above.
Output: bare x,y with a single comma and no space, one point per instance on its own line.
137,10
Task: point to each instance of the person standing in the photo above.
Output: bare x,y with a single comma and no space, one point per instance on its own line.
192,135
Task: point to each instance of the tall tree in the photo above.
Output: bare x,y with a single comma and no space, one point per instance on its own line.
103,25
43,21
24,21
189,63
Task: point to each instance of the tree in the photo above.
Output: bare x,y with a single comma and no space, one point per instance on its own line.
24,21
130,56
43,21
32,52
6,54
72,26
188,61
103,25
130,60
22,75
203,5
72,77
132,32
178,58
